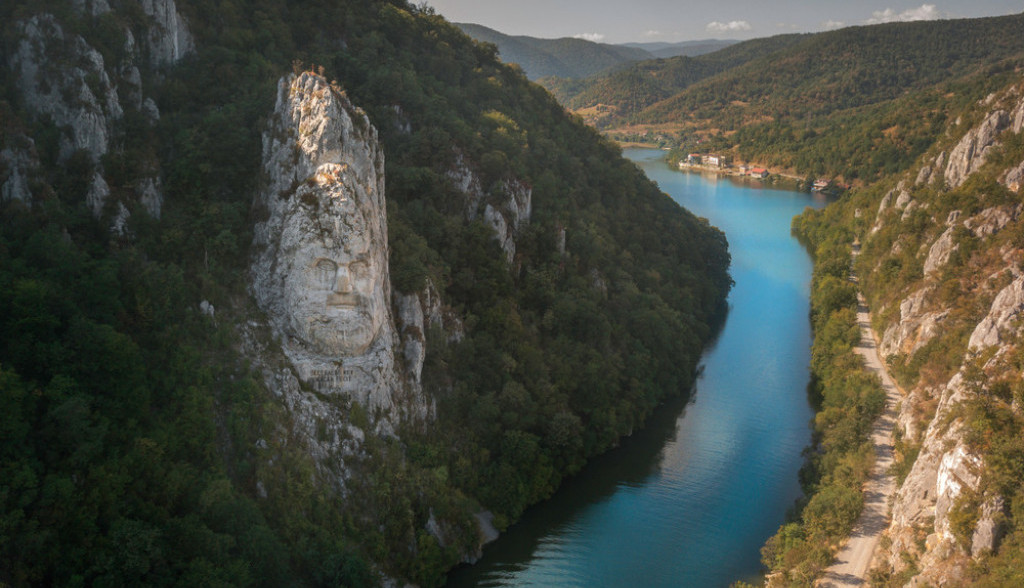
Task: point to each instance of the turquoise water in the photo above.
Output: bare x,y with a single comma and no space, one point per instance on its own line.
689,500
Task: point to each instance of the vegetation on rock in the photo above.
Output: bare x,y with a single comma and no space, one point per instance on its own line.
139,447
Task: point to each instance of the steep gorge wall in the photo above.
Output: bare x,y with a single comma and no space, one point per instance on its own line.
67,82
320,273
944,265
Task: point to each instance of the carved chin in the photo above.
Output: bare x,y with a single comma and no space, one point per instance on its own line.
346,338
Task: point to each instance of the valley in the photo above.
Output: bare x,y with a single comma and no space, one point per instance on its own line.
324,293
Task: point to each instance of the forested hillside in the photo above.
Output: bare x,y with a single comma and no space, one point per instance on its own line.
622,94
852,102
567,57
663,49
139,445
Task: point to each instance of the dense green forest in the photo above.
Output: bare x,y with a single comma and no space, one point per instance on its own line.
844,103
139,448
566,57
630,90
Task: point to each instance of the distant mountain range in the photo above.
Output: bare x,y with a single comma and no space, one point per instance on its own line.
570,57
855,102
684,48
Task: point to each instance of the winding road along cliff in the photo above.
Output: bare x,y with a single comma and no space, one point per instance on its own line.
853,562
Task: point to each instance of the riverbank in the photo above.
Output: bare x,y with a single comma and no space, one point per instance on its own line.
690,499
852,564
774,179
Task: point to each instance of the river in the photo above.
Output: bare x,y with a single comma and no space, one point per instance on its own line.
690,499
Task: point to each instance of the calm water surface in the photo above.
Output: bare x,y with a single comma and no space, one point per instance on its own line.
689,500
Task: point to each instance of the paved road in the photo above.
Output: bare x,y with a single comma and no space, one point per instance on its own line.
853,562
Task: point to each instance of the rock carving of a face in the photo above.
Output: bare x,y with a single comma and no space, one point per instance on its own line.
335,289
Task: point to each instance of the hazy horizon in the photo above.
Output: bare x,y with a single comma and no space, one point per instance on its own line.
648,21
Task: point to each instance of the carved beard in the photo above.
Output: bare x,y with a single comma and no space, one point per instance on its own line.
349,331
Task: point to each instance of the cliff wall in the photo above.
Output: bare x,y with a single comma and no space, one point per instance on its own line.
943,260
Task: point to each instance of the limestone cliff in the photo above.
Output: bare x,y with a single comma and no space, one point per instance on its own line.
65,81
952,328
320,274
506,208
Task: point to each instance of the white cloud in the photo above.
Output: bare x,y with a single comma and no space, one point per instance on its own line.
833,24
922,12
594,37
653,34
728,27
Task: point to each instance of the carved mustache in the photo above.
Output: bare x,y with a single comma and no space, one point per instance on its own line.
344,299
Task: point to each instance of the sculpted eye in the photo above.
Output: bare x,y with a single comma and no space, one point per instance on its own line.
325,273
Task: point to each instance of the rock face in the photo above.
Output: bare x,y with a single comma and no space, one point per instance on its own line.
1001,318
948,477
84,109
169,38
17,163
321,267
506,210
917,326
63,79
940,251
970,153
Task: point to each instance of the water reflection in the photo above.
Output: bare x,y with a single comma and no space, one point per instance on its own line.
689,500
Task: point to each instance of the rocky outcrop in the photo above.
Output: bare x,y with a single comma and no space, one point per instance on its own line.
1013,177
506,210
1002,317
321,272
64,80
984,224
897,199
916,327
168,38
929,171
335,340
945,471
17,164
972,151
992,220
79,97
91,7
945,512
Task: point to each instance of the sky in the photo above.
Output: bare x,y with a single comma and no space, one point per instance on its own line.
618,21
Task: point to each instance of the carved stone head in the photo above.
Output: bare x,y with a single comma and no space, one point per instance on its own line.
335,286
323,275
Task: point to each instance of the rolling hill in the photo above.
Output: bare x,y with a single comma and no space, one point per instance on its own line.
566,57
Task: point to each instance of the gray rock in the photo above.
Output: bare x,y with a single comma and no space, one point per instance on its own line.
168,38
1017,116
1013,177
973,149
17,164
916,327
992,220
903,199
79,97
321,269
940,251
97,196
91,7
208,310
150,195
991,527
505,212
1001,318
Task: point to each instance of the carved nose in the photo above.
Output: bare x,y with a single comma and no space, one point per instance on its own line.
343,285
